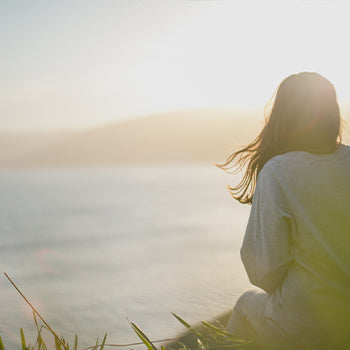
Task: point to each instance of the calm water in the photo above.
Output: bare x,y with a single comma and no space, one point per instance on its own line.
92,246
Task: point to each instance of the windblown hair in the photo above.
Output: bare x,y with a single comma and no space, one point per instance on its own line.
304,116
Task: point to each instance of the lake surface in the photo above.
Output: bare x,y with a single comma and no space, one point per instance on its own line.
92,246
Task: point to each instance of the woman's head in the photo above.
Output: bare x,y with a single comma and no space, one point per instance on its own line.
303,116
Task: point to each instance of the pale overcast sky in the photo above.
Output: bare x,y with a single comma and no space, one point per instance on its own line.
80,63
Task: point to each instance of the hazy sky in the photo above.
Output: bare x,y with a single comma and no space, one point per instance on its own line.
76,63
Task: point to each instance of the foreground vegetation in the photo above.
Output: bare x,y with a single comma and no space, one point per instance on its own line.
210,336
207,336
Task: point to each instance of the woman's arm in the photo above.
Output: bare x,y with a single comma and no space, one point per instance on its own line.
266,249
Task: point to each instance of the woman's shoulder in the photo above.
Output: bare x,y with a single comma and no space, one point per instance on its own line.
289,164
277,162
294,158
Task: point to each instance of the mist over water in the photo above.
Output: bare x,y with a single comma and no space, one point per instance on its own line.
90,246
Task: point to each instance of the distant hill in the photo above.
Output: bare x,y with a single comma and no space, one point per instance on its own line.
17,145
185,136
170,137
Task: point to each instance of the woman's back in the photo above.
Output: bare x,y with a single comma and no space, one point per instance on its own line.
317,195
305,198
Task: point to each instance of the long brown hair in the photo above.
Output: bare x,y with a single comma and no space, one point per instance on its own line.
304,116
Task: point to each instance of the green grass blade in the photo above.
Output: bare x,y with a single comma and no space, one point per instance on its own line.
216,330
58,344
1,345
23,341
76,342
103,342
39,339
143,337
188,326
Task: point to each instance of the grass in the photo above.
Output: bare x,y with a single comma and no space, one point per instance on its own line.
208,336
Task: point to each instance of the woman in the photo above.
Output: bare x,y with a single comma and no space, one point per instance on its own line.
296,247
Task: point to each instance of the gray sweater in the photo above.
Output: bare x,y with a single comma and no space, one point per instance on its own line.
297,242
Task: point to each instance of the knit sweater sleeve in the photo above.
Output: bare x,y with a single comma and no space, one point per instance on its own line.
266,246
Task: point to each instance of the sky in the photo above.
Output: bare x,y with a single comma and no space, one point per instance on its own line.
76,64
